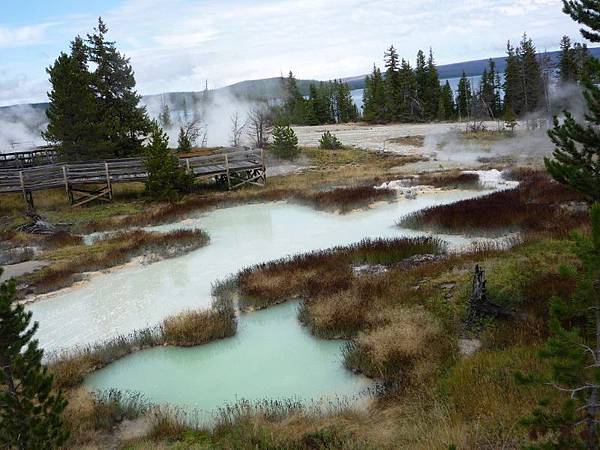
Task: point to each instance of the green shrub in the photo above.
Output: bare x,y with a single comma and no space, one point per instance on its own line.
184,143
285,142
167,180
329,141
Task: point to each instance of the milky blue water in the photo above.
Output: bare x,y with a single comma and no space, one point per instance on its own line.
139,296
271,357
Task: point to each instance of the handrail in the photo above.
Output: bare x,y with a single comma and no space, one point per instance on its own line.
121,170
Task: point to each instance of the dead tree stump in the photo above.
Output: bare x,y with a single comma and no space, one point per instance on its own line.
479,304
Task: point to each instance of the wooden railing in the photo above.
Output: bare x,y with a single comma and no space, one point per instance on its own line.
232,167
28,158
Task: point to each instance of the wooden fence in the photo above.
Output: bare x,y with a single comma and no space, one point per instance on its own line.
37,156
87,181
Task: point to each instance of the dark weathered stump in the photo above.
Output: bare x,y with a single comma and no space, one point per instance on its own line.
479,304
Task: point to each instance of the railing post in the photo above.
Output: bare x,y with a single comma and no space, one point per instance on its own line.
23,185
264,168
187,164
66,178
227,171
108,183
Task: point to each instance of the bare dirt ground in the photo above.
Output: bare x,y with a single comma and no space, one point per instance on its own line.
444,145
377,137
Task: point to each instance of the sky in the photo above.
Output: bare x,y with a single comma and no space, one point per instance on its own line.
176,45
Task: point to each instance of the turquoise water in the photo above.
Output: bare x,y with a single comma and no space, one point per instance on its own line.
271,357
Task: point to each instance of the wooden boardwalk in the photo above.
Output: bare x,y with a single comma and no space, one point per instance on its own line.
87,181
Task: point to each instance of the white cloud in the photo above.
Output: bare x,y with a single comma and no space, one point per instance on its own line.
176,45
11,37
184,40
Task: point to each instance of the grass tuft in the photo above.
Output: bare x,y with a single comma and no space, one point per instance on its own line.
406,344
192,328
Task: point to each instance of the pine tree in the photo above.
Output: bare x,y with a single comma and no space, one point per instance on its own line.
164,117
532,89
573,61
30,411
408,92
295,107
374,98
575,351
124,123
447,103
346,110
523,86
393,102
422,84
513,94
576,157
73,111
184,144
575,356
285,142
567,68
312,107
167,180
488,90
324,103
432,101
582,56
463,97
329,141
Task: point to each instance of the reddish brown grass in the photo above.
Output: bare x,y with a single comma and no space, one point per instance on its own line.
346,199
322,272
535,206
455,179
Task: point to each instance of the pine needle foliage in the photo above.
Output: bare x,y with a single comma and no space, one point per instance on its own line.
167,180
30,411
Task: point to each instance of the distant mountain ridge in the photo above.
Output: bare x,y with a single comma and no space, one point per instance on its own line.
271,88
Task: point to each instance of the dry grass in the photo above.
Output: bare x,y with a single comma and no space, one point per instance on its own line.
412,141
93,418
407,344
116,250
535,206
186,329
485,136
335,316
192,328
62,239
